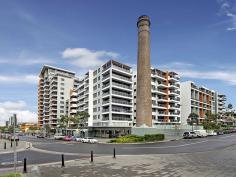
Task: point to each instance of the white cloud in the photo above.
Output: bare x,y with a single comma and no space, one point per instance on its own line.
8,108
188,70
85,58
26,79
228,9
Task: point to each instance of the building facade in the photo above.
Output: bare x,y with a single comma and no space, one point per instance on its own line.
199,100
165,97
54,88
221,103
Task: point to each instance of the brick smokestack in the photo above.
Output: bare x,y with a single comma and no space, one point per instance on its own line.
144,99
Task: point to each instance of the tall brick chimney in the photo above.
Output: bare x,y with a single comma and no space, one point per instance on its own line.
144,97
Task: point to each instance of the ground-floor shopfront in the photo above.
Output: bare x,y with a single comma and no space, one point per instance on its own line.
108,132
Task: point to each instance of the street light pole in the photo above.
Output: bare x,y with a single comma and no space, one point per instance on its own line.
14,145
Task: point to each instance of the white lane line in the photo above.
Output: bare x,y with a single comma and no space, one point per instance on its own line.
164,147
10,163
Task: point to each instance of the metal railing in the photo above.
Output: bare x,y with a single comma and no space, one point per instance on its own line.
121,77
121,93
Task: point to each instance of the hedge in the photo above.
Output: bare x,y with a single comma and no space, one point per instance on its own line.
136,138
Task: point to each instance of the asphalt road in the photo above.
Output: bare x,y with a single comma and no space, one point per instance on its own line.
48,150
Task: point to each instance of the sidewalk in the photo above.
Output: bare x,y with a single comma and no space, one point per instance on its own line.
21,146
162,165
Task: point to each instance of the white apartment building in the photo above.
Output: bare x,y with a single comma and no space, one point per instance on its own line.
221,103
85,96
54,89
165,97
199,100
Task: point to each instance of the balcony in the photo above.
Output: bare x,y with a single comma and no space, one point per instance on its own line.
121,110
105,85
121,102
121,93
122,85
105,77
121,77
106,102
120,68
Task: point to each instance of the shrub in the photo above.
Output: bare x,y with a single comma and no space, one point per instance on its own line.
136,138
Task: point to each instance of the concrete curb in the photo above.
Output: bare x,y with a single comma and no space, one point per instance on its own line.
18,150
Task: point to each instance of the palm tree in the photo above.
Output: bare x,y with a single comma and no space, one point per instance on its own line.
192,118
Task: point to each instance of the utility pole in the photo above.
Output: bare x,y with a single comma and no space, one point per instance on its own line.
14,145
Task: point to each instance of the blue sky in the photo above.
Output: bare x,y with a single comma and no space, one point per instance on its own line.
195,38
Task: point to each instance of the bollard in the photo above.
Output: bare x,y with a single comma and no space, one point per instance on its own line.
11,144
114,153
5,145
16,143
91,156
62,161
25,168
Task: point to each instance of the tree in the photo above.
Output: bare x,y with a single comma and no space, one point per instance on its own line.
230,106
64,121
193,118
47,128
81,118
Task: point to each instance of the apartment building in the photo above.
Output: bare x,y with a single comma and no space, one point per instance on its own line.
85,96
106,94
54,88
199,100
165,97
221,103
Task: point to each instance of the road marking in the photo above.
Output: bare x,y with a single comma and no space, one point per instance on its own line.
156,147
10,163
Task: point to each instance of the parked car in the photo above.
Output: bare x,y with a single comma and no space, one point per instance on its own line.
201,133
59,136
68,138
89,140
78,139
40,136
211,133
189,135
220,132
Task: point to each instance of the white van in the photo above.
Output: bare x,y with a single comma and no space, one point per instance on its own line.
201,133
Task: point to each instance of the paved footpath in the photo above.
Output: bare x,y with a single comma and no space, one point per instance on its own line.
218,163
22,145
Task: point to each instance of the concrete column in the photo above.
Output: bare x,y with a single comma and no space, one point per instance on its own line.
144,99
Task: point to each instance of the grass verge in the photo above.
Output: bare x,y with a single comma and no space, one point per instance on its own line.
11,175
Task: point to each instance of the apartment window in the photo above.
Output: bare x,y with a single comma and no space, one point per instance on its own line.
99,101
95,117
62,84
98,85
98,108
62,93
94,95
94,109
98,116
95,80
61,111
62,79
95,102
94,73
98,93
98,70
62,102
95,87
62,88
62,98
99,78
62,107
